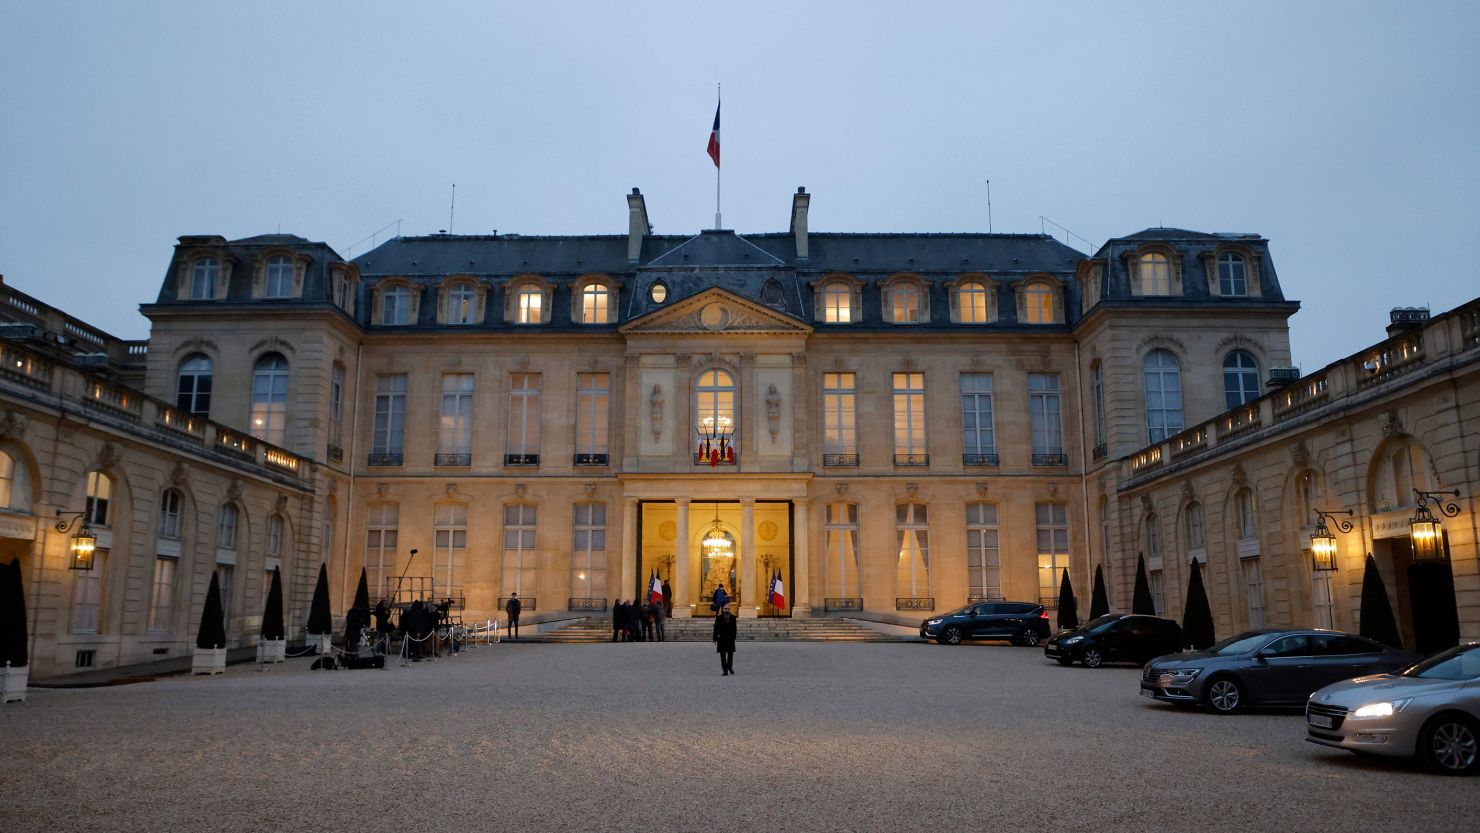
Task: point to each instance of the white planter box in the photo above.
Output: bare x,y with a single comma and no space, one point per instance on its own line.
320,642
272,650
208,661
15,683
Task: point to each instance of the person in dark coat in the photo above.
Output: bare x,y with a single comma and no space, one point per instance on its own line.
513,608
724,640
619,617
667,599
659,615
647,621
721,598
414,624
634,621
382,616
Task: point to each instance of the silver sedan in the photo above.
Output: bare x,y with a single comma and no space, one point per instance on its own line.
1431,710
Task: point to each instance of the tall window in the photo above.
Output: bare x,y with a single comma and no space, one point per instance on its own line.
226,521
1233,281
1321,599
87,595
1243,512
904,302
1163,378
1254,591
837,303
593,399
161,594
912,533
279,283
395,305
270,398
380,546
1044,412
529,302
225,575
1305,497
274,551
1155,577
1097,389
455,433
205,275
519,556
1109,574
588,551
1038,304
99,496
839,418
979,441
1195,534
193,391
1156,274
909,419
714,403
451,542
336,404
15,484
972,302
1240,378
524,415
1053,550
983,558
842,551
390,419
169,514
596,301
462,299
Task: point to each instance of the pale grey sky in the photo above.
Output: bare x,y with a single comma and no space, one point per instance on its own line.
1346,132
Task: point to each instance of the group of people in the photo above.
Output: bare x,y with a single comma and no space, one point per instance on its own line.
419,621
638,621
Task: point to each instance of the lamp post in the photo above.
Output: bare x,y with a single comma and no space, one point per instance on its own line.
1323,543
84,543
1425,530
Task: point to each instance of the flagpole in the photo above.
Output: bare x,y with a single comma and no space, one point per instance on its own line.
718,100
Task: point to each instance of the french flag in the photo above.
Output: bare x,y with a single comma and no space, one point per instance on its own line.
778,591
655,590
714,138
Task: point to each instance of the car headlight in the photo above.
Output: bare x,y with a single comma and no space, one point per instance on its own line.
1182,675
933,621
1071,640
1387,708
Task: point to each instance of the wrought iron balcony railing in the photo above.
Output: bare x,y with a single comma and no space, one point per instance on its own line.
526,603
335,453
988,459
384,459
840,459
912,459
592,459
575,603
843,603
1100,451
521,459
453,460
914,603
1050,459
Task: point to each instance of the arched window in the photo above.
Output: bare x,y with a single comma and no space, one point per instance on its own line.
771,292
1305,498
99,497
972,302
380,546
451,544
1233,280
270,398
1155,575
395,305
226,521
1163,379
520,560
205,276
837,303
193,392
983,556
1156,274
462,301
904,302
1039,305
169,514
596,304
529,302
1053,550
842,582
1403,477
714,404
1240,379
912,532
588,558
1195,533
1243,514
279,283
15,484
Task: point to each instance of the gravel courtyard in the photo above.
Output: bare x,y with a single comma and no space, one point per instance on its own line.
806,736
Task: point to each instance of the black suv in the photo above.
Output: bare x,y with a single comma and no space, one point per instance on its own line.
1116,637
1023,623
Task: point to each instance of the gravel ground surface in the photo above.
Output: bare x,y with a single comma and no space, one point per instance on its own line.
650,737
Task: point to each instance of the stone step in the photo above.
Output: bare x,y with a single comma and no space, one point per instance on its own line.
594,629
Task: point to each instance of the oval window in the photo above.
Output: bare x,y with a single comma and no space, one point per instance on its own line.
659,293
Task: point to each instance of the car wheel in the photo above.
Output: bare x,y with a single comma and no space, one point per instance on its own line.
1028,637
1450,744
951,636
1065,661
1092,658
1224,696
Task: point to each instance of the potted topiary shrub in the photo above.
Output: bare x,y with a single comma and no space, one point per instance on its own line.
210,643
273,644
1197,618
1068,605
13,633
320,623
1099,603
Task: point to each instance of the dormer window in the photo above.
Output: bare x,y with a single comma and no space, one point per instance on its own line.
1233,276
279,283
904,303
529,305
462,299
1155,274
837,303
205,276
395,305
1039,304
596,304
973,303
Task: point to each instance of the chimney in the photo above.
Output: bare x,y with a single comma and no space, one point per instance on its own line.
637,225
1403,319
799,205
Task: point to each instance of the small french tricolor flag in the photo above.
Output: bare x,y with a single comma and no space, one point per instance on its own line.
778,591
655,590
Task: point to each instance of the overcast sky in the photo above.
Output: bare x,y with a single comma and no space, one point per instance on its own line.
1347,133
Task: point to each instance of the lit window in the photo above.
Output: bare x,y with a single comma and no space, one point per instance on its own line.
971,302
461,301
204,277
714,406
841,580
529,301
909,419
381,547
595,304
455,434
1163,379
279,283
658,293
588,551
270,398
904,303
1156,274
1038,304
1053,551
1233,281
839,417
912,535
520,562
99,495
1240,379
837,304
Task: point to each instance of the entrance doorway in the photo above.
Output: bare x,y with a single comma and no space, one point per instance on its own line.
1428,618
664,541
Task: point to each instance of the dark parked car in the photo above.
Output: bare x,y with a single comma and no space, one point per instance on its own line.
1271,667
1024,623
1115,637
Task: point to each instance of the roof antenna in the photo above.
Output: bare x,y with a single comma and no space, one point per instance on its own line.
452,208
989,206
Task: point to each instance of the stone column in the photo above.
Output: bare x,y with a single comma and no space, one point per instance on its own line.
681,592
750,606
630,554
801,599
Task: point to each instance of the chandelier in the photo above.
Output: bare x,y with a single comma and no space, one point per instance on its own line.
717,542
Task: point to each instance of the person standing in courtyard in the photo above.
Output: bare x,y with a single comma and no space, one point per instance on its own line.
513,608
724,640
659,617
648,619
667,599
721,598
618,613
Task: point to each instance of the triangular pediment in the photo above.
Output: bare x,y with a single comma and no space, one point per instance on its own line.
716,311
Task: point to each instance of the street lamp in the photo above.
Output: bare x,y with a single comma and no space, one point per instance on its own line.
84,543
1425,530
1323,543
